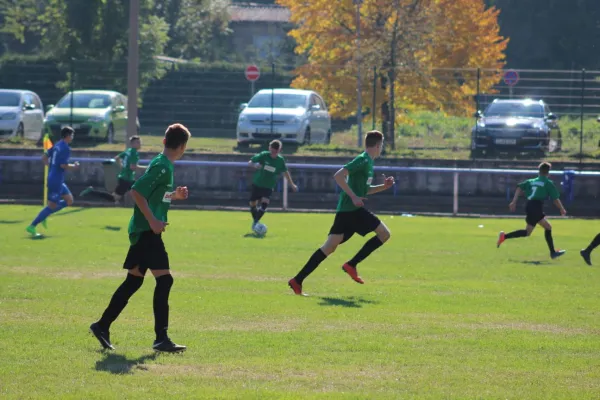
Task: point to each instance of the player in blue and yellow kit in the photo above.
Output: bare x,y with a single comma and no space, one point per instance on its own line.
59,195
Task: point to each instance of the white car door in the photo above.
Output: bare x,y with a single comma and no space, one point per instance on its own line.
39,118
324,119
316,128
28,115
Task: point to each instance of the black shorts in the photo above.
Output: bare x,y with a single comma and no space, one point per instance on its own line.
258,193
123,187
534,211
361,221
148,253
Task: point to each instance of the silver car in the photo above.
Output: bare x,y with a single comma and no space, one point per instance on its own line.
21,114
296,116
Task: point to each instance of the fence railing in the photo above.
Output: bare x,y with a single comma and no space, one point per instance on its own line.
568,176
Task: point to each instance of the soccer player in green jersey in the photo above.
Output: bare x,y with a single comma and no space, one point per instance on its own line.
587,252
128,161
536,191
152,194
268,164
352,217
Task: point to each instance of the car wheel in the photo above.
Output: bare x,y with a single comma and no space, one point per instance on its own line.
20,131
243,146
110,134
306,136
328,137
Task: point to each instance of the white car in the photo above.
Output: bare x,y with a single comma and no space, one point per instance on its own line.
297,116
21,114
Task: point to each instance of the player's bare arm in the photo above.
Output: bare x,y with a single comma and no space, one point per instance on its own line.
560,206
513,204
388,182
290,181
340,178
156,225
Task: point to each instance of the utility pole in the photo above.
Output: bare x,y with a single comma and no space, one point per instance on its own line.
358,3
133,61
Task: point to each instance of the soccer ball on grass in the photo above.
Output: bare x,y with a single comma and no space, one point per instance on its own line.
260,229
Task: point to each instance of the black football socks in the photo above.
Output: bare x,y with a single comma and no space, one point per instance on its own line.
516,234
119,300
372,244
261,211
312,264
161,305
595,243
549,240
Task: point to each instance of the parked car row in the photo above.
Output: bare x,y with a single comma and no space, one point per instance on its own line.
97,114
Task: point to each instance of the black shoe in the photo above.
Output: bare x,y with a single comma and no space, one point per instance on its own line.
168,346
102,336
586,257
557,254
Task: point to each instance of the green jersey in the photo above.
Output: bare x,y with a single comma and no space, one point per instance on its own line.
539,189
360,176
270,168
156,185
129,158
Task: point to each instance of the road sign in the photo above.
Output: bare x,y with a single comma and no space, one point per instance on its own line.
511,77
252,73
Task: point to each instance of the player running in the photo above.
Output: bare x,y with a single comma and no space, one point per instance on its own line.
269,164
587,252
128,161
152,194
352,217
59,195
536,190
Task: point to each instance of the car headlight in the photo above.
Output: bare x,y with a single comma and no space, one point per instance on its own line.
49,118
480,124
294,120
8,116
242,118
95,119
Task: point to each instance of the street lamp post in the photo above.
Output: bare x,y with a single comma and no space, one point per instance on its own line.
358,3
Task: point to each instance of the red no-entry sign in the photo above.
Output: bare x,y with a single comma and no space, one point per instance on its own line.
252,73
511,77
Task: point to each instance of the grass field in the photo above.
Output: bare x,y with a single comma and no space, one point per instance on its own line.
443,313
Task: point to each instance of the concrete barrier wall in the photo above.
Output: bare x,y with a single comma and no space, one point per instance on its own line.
220,185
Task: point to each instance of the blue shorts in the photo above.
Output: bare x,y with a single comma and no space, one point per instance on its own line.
56,192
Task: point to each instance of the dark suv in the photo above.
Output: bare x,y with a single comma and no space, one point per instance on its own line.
515,126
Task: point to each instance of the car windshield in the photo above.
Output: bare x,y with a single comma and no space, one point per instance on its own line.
85,100
516,109
9,99
280,100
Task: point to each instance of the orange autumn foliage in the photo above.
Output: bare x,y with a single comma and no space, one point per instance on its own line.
435,45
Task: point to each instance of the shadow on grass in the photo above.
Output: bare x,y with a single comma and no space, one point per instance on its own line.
119,364
112,228
350,302
10,222
69,211
532,262
254,236
41,236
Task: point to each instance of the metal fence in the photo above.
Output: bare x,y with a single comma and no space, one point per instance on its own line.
434,108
